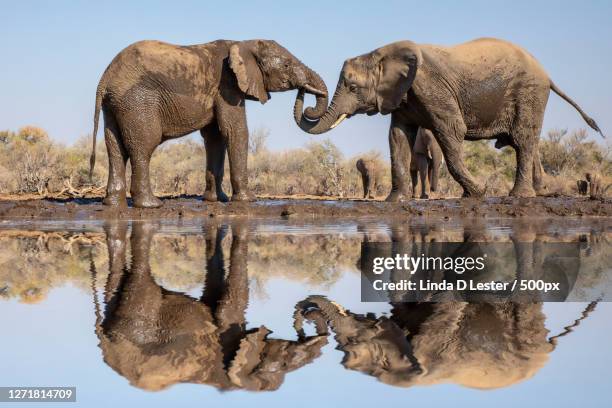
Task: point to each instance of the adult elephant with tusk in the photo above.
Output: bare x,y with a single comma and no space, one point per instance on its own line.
482,89
153,91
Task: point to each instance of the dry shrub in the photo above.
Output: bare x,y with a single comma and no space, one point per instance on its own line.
30,162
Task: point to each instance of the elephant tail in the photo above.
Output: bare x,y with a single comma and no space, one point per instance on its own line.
589,120
568,329
92,159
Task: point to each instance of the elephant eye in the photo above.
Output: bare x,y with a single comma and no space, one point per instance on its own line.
352,87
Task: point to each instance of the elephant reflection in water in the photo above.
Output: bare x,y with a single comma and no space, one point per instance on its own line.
477,345
156,337
481,345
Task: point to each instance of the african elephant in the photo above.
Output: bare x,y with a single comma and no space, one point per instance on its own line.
156,337
369,176
425,162
153,91
482,89
476,345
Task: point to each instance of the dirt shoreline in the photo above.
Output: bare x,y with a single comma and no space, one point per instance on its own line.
194,207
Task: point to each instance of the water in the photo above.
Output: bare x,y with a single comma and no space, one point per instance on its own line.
202,312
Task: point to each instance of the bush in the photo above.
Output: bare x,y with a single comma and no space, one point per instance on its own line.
30,162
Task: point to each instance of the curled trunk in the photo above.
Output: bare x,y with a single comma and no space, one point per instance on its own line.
316,83
319,126
331,312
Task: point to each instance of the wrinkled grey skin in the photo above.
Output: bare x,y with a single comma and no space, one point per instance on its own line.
368,177
482,89
538,171
156,337
476,345
153,91
427,158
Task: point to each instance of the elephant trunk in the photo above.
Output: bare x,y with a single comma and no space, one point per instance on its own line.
328,120
332,312
315,86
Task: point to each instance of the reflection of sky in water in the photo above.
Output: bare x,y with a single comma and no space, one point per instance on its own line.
54,343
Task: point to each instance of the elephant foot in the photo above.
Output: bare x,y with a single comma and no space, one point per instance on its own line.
115,200
474,193
424,196
396,197
242,196
522,191
216,196
147,202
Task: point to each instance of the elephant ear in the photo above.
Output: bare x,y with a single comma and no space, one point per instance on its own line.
397,68
250,78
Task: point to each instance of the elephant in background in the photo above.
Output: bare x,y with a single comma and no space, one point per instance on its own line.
369,176
153,92
156,337
476,345
483,89
427,158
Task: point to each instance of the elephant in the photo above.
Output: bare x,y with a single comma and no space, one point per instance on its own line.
476,345
425,163
156,337
482,89
369,176
154,91
583,187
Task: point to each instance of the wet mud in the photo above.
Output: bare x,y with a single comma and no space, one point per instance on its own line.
195,207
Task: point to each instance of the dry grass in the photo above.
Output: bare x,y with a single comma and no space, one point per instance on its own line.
33,166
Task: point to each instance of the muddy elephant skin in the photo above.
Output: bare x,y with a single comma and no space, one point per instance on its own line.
156,337
153,91
369,176
483,89
427,158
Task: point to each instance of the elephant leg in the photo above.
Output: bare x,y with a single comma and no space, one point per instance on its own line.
370,181
116,243
451,143
525,137
538,184
400,135
141,140
214,285
117,159
233,127
423,173
215,163
234,301
414,176
366,184
523,179
434,174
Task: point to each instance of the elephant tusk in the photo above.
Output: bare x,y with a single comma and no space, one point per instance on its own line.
337,122
314,91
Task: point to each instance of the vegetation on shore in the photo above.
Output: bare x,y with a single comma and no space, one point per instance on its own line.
33,164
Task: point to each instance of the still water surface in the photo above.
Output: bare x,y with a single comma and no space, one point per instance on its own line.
204,313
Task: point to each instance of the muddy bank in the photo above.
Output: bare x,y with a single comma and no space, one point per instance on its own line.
193,207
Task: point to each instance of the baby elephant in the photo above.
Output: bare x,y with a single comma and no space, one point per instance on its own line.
369,176
426,161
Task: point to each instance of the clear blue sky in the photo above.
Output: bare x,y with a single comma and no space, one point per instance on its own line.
53,53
